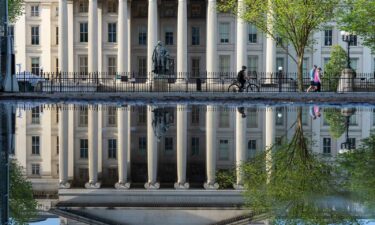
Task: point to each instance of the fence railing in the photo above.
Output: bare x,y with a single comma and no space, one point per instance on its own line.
187,82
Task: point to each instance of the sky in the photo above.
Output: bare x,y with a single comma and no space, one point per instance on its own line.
54,221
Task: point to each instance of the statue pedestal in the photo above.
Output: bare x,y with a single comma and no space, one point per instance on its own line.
346,82
160,83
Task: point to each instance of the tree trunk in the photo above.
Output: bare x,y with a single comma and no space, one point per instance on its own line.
300,73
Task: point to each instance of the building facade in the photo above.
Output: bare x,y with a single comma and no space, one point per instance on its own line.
118,36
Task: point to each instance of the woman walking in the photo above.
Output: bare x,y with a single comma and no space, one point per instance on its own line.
317,81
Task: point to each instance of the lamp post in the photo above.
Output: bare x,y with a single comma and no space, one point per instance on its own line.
347,145
346,82
348,38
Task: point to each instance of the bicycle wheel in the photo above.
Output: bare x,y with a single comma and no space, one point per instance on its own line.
252,88
233,88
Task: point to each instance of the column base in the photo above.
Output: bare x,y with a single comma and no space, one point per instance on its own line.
122,185
92,185
181,185
64,185
211,186
238,186
151,185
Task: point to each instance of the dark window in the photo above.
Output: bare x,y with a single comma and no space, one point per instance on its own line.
35,35
195,36
142,144
169,37
35,145
327,146
251,149
112,148
354,41
112,32
328,37
84,149
352,143
57,35
252,34
83,32
142,35
57,145
35,115
195,146
35,169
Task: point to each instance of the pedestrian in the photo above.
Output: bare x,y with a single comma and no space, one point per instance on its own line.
317,80
312,83
241,78
314,111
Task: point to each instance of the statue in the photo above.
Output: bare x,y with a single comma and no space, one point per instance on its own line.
161,60
161,122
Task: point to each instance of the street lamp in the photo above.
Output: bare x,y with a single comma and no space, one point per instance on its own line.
347,145
348,38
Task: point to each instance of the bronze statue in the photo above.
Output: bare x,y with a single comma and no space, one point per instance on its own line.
161,60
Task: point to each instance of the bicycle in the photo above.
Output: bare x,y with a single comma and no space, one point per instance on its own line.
235,86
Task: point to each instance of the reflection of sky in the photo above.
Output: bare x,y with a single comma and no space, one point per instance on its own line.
47,222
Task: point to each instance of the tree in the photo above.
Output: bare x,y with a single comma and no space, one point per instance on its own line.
294,21
15,9
334,67
358,17
336,122
22,204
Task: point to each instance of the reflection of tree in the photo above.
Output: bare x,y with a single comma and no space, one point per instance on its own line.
336,122
359,167
22,204
292,191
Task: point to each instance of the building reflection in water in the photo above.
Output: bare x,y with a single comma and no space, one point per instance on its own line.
79,147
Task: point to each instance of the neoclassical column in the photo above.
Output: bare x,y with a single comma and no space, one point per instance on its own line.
63,37
181,147
123,130
63,147
240,148
122,41
270,48
241,37
211,43
152,153
152,33
45,30
182,41
93,37
270,135
93,148
211,127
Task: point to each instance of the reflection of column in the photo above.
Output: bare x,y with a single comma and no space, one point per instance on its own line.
241,38
123,140
211,127
93,148
93,36
270,136
152,153
46,124
315,126
211,40
64,147
21,136
181,147
152,33
240,147
366,124
182,41
122,37
63,36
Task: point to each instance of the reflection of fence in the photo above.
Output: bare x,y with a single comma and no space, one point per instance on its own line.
180,82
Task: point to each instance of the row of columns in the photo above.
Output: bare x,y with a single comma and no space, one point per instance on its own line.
152,38
152,151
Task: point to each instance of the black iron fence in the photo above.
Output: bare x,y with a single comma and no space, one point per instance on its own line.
181,82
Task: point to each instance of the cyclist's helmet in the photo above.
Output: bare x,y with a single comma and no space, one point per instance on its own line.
244,67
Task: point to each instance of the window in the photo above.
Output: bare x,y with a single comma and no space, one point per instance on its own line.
279,116
142,144
112,32
224,150
83,6
354,41
353,120
83,65
252,33
195,67
112,65
195,146
224,63
328,37
325,61
224,118
327,146
112,148
224,32
35,35
35,115
57,11
35,65
354,64
142,66
142,115
83,32
57,145
35,10
83,148
168,144
57,65
252,118
251,149
83,119
57,35
305,116
112,6
305,66
352,143
280,63
35,145
35,169
142,35
169,36
57,116
195,115
252,64
195,36
112,116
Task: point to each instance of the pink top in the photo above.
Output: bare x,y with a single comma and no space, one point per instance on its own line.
316,76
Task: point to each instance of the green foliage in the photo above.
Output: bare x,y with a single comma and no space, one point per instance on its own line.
226,178
359,17
333,68
294,21
15,9
22,204
336,122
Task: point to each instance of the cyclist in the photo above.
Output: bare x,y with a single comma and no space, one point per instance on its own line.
241,78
